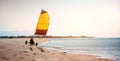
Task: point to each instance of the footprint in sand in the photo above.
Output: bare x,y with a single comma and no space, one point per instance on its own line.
14,55
21,57
5,58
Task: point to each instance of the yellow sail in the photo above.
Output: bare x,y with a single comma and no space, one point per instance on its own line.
43,23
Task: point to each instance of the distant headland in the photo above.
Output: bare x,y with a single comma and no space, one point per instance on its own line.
46,36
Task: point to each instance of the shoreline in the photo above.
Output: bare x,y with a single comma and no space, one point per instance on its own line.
15,50
73,53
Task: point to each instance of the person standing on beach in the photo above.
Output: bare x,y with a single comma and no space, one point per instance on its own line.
36,44
26,42
32,41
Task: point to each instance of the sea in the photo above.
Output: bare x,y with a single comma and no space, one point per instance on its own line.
101,47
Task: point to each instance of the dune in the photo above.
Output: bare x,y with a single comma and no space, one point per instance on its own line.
14,49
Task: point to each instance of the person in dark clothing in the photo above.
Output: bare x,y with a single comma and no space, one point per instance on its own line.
36,44
31,41
26,42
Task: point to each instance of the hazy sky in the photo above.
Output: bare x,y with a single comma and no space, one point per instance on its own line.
99,18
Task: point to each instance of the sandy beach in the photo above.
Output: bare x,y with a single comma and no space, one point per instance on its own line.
14,49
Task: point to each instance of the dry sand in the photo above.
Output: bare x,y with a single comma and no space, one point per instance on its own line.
14,49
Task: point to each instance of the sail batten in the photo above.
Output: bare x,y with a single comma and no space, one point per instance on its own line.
43,23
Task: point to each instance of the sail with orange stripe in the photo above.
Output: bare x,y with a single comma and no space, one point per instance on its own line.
43,23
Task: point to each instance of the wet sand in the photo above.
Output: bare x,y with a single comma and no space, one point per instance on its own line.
14,49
